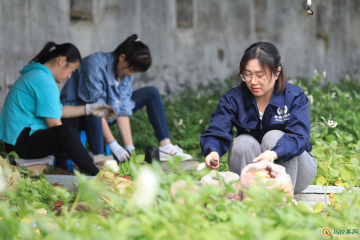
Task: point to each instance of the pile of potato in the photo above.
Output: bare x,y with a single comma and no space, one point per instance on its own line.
235,197
268,173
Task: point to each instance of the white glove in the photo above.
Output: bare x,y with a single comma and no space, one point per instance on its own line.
100,110
122,155
129,148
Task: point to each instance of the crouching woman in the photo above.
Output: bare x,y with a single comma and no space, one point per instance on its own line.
30,119
272,119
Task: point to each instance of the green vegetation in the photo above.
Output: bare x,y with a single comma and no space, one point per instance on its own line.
40,210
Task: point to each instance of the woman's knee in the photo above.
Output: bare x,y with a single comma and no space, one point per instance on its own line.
243,143
306,171
153,92
243,150
270,139
67,131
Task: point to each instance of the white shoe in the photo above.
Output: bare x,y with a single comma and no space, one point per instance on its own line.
173,150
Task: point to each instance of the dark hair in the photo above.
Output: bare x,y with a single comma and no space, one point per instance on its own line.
137,54
52,50
269,57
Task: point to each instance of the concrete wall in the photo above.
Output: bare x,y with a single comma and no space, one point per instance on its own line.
212,48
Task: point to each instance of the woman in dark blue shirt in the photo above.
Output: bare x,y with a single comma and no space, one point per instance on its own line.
272,119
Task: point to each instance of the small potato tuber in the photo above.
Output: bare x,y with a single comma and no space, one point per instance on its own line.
273,174
281,187
213,163
261,174
268,168
238,185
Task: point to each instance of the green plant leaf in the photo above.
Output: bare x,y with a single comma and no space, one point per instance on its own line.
304,207
354,161
348,172
334,173
318,207
139,158
321,181
38,205
14,154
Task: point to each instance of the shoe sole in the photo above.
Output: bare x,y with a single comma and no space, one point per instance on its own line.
163,159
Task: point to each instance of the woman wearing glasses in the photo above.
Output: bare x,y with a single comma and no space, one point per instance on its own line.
272,119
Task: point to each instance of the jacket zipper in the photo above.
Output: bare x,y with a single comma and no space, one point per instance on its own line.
257,112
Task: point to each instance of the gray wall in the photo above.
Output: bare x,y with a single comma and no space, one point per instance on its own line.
212,48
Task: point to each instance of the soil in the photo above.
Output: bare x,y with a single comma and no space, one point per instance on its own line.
81,207
60,171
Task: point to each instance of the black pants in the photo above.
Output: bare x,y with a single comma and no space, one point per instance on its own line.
79,123
54,140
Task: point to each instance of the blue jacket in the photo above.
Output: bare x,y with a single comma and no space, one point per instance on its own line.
288,111
94,82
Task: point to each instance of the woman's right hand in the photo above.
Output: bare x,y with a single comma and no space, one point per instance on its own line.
212,160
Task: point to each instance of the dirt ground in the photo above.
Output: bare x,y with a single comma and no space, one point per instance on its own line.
60,171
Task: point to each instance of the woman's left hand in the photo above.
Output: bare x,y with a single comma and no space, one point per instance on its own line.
100,110
265,156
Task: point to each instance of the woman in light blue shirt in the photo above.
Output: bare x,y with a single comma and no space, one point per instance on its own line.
107,78
30,119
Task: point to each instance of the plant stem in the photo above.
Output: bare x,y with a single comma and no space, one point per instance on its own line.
76,201
327,178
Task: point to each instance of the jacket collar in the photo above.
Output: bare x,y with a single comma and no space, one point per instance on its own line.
110,68
277,100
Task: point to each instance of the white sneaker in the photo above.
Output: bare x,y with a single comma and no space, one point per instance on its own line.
173,150
179,148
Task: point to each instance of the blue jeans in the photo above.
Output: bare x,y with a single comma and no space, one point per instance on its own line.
146,96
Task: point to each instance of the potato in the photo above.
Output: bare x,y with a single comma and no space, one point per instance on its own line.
273,174
261,174
213,163
281,187
268,168
287,190
249,176
238,185
250,182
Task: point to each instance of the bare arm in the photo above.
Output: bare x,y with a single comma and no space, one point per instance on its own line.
73,111
52,122
123,123
108,136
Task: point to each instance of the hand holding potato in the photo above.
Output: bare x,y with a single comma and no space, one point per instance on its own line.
212,160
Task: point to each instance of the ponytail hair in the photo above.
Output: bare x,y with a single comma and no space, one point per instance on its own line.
52,50
269,58
137,54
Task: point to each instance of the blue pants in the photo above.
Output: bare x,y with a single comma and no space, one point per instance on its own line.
146,96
